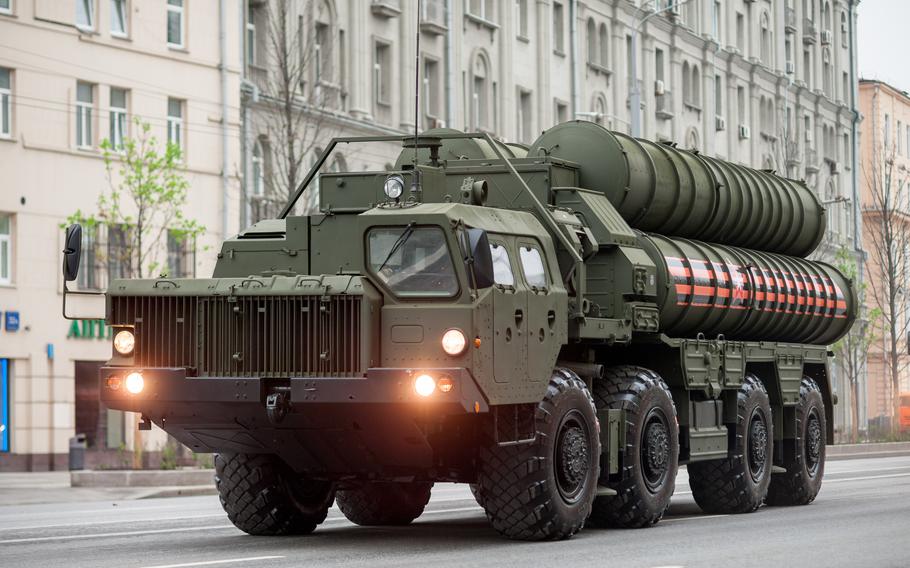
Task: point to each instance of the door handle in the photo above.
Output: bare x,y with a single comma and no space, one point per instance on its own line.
519,317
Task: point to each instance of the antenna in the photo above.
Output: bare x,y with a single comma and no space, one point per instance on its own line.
415,184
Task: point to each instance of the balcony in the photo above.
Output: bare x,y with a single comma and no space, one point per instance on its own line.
663,105
790,21
811,161
433,17
386,8
810,31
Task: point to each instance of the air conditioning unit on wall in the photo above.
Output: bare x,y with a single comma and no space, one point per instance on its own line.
720,123
659,88
826,37
790,68
744,132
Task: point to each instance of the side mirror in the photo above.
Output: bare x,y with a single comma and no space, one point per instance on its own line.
478,259
72,252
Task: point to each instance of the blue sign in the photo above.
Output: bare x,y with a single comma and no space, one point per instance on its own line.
11,321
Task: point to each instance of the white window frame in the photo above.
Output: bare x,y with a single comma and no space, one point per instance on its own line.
84,135
180,10
175,125
118,123
124,13
8,9
6,240
89,5
258,188
250,35
379,71
6,106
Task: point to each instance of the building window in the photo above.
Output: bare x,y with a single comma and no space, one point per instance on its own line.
604,46
766,40
887,133
119,253
175,122
559,24
480,94
250,33
6,7
659,64
483,9
382,73
85,14
561,112
715,21
897,136
807,67
85,100
431,90
525,116
175,23
180,256
322,45
845,87
522,7
118,117
741,105
6,249
696,87
592,41
718,96
6,105
118,18
741,33
258,185
843,29
89,270
686,83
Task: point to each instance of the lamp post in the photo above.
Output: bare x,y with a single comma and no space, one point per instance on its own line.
634,90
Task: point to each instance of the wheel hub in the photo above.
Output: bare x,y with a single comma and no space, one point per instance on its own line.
572,460
813,443
656,452
758,443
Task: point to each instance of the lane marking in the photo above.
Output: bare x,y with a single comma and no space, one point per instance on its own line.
824,481
122,521
691,518
213,562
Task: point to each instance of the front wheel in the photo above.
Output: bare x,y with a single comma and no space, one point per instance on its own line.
804,456
543,489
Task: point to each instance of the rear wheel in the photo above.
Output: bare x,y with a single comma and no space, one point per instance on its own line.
263,496
805,456
542,490
739,484
647,477
382,503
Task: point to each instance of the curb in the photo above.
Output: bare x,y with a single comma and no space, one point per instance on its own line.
186,491
157,479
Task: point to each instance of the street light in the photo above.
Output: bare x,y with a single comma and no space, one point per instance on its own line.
634,90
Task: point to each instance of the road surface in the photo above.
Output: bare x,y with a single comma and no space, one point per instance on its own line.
861,518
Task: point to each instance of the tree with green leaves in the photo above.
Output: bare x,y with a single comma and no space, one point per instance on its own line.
852,351
145,202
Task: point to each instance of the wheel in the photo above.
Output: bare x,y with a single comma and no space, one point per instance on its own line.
805,456
381,503
647,475
739,484
476,493
263,496
543,490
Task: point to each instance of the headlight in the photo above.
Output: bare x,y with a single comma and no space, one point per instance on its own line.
124,342
424,385
135,383
454,342
394,187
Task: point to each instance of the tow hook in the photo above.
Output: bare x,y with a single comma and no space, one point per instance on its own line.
277,405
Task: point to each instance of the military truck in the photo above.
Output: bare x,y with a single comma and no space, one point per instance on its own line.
560,326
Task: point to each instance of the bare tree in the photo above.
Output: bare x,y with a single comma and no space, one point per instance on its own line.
852,350
299,88
887,223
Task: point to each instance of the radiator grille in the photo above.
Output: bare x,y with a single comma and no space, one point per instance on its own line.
257,336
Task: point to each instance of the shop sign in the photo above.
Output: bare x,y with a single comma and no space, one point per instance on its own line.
11,321
89,329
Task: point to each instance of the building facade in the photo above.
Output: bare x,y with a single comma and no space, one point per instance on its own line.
764,83
885,160
72,74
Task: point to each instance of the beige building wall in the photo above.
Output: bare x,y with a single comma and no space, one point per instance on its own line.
46,177
884,136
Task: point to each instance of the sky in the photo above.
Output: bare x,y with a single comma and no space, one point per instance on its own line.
884,42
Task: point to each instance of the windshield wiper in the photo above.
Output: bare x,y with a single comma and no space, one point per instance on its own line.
402,238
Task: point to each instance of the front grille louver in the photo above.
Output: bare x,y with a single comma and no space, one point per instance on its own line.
239,336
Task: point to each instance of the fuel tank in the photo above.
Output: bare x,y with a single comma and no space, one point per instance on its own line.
659,188
747,294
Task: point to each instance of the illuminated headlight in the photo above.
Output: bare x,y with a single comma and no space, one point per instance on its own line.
134,383
454,342
425,385
124,342
394,187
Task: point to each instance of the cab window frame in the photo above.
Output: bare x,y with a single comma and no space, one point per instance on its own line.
447,236
497,241
534,245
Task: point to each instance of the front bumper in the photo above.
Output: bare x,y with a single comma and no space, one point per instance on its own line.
372,426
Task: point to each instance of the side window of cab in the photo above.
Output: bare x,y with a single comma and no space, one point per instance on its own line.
532,266
502,264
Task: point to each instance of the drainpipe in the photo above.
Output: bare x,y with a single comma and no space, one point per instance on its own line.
573,45
450,68
225,181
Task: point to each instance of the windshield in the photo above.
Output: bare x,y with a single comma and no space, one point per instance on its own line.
412,261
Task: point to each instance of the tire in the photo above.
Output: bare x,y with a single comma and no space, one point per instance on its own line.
647,476
476,493
739,484
380,503
543,490
804,457
264,497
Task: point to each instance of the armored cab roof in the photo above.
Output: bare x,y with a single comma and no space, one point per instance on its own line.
488,218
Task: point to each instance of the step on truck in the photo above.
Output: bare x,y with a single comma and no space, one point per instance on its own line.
560,326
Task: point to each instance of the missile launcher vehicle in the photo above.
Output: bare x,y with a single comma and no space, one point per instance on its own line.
560,326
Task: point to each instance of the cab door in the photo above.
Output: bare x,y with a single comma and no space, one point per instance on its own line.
541,341
510,302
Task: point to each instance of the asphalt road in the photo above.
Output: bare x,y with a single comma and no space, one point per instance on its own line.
861,518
